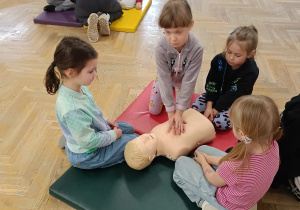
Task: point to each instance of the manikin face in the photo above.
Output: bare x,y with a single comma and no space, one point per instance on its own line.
147,144
236,54
88,73
177,37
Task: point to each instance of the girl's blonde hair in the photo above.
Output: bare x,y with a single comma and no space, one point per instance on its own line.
71,52
247,34
175,13
257,117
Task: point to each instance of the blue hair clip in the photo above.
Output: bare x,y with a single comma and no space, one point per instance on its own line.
230,32
53,64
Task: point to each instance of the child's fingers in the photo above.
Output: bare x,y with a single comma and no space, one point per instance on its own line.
182,128
174,129
170,127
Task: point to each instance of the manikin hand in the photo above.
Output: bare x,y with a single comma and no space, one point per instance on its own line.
138,5
112,124
176,122
118,132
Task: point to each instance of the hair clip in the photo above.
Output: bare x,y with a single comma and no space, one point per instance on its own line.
53,64
246,139
230,32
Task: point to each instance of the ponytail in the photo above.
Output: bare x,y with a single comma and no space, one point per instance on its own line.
253,28
238,153
52,80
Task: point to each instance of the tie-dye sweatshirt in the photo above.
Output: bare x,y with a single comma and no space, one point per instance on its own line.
81,120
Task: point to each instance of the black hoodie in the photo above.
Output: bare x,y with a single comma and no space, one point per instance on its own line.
224,85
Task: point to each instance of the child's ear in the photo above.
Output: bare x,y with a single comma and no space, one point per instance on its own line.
251,54
191,24
241,132
70,72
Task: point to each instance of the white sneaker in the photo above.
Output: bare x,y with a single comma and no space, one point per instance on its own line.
297,182
128,4
104,24
92,32
207,206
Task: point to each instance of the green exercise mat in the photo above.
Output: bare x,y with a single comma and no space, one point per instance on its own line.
120,187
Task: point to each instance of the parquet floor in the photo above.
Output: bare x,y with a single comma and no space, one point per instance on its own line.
30,160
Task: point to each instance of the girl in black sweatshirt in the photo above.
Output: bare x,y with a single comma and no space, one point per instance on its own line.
232,74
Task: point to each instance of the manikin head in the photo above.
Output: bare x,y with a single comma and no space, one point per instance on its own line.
141,151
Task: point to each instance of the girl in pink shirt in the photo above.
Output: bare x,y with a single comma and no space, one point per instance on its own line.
239,179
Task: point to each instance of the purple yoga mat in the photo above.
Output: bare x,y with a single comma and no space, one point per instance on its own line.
65,18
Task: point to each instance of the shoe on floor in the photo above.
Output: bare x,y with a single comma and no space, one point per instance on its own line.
92,32
207,206
104,24
295,190
49,8
62,141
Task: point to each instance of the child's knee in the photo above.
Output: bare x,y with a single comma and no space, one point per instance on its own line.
181,162
154,112
126,127
202,148
222,123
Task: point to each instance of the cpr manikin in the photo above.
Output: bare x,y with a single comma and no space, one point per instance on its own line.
141,151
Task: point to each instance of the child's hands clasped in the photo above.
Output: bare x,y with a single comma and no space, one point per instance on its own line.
176,122
200,157
210,113
118,132
112,124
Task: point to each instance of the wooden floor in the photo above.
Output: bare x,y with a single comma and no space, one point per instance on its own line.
30,160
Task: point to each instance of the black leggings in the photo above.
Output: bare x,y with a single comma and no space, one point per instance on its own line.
84,8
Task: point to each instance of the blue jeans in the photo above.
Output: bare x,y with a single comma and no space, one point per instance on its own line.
189,176
105,156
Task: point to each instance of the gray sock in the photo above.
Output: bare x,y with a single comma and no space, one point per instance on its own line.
62,141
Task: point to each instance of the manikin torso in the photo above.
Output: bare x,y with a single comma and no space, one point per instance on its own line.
198,130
